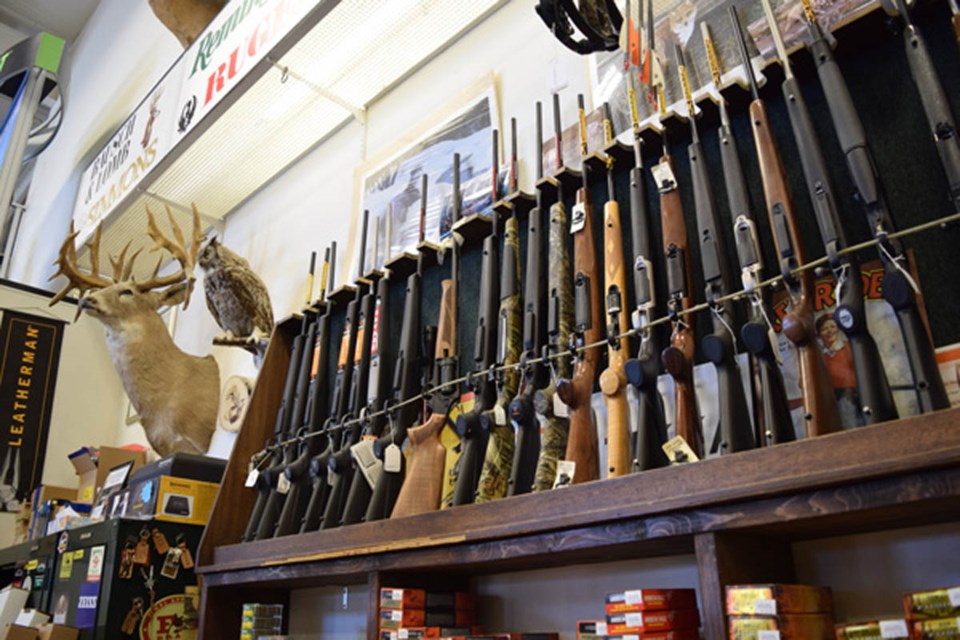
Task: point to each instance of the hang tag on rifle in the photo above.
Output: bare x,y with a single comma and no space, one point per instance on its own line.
565,471
283,484
499,415
392,459
171,564
579,218
663,176
367,462
678,451
160,542
560,408
251,480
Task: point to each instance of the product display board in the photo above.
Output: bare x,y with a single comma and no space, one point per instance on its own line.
31,565
127,579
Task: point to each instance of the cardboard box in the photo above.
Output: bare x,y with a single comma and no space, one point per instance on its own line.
12,601
650,600
31,618
939,629
676,634
16,632
873,630
800,626
402,598
170,499
92,474
776,599
51,631
411,633
932,604
647,621
399,618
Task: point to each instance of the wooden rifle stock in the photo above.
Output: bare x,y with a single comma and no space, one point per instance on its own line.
956,26
678,357
423,485
582,446
498,461
613,381
819,402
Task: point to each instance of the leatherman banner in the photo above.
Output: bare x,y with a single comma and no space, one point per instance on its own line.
29,355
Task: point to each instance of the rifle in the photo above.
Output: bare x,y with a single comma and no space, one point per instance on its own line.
550,410
422,487
736,433
388,480
316,507
473,437
350,425
876,400
613,380
642,371
582,446
495,477
896,283
819,402
533,377
269,502
291,516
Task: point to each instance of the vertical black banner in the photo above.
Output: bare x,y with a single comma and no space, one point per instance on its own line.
29,356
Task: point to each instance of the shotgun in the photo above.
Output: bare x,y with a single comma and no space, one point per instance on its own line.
291,517
473,437
819,402
266,509
551,412
897,290
423,485
360,456
533,376
582,446
643,370
875,397
313,516
386,448
736,432
613,380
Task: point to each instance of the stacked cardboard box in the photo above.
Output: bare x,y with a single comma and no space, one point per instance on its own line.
646,614
417,613
780,612
933,614
261,620
873,630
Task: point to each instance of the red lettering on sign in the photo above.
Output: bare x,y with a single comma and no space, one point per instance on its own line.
823,296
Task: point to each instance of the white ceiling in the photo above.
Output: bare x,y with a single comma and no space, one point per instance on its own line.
22,18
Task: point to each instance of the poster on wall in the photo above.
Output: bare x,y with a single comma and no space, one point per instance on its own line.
391,186
29,358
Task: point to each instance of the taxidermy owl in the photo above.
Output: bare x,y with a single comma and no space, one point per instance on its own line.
237,299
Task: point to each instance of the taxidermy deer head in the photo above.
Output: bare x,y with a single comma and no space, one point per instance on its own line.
175,393
186,18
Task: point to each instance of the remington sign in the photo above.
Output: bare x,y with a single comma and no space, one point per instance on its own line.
29,356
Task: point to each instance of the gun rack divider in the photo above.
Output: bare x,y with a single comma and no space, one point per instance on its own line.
737,514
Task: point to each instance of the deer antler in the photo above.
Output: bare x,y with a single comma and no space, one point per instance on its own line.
67,266
178,249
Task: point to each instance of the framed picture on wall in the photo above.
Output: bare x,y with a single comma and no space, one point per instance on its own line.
390,183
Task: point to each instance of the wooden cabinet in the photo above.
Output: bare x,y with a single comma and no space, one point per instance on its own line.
738,516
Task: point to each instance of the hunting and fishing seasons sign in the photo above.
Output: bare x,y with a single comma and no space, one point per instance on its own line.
29,356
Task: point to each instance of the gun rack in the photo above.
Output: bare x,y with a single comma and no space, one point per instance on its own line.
737,514
522,202
341,295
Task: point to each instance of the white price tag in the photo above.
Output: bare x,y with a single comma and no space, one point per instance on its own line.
396,616
251,478
331,477
630,636
765,607
499,415
283,484
768,634
392,459
560,408
894,629
954,595
579,218
663,176
634,619
403,634
634,596
565,471
601,628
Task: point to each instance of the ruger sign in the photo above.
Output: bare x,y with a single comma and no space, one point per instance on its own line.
238,38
